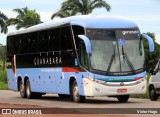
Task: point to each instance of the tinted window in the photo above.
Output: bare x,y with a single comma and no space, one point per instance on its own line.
83,55
16,44
10,45
65,39
23,43
66,47
78,30
43,41
54,39
32,42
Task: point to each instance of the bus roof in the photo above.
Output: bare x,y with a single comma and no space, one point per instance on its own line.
87,21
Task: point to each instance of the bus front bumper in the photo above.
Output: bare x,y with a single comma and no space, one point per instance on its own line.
94,87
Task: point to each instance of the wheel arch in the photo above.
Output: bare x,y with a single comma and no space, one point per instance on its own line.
25,79
151,85
18,82
72,79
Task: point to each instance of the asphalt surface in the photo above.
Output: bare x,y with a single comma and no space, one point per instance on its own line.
92,105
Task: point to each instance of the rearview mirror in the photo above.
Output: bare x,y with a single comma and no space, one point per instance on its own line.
86,42
153,71
150,42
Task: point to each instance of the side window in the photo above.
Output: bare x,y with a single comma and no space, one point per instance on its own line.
77,30
43,41
53,36
23,43
83,55
66,39
66,47
16,44
10,45
32,42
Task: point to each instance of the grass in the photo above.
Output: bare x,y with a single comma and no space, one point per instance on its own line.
3,78
3,86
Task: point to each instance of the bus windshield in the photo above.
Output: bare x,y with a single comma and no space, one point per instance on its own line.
116,51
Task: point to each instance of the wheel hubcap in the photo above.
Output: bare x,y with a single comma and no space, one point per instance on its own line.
28,91
75,92
152,92
22,88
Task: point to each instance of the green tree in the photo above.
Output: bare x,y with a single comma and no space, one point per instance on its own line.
24,19
3,19
73,7
2,57
151,58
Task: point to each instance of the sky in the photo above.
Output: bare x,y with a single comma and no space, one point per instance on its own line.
145,13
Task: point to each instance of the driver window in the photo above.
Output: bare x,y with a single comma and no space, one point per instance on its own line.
83,55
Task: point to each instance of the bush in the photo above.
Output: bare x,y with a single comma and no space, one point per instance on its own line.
3,76
3,86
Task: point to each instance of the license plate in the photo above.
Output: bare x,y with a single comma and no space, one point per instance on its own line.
121,90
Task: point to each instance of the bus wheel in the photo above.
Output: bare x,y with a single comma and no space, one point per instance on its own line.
152,94
123,98
37,95
75,93
29,94
22,89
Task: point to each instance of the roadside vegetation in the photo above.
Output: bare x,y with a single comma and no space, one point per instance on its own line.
3,73
3,80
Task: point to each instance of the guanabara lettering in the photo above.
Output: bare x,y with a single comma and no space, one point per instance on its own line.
47,61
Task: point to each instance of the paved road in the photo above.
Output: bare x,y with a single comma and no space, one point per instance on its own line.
52,100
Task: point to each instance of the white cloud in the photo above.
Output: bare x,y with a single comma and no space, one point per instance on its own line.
2,39
8,12
157,38
45,16
149,18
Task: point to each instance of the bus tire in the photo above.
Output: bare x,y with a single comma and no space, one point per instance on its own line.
152,94
63,96
29,94
37,95
22,89
75,93
123,98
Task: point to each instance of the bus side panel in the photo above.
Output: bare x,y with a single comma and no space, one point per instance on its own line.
80,82
63,84
44,80
12,80
53,75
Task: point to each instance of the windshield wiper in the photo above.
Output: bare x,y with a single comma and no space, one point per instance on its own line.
140,47
125,58
112,58
110,63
